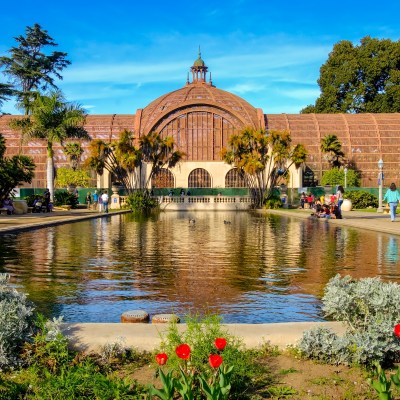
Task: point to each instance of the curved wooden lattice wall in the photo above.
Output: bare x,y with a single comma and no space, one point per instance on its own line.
365,138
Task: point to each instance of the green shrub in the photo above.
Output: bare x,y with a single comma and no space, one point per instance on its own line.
370,310
273,201
65,198
200,336
55,372
82,381
49,348
361,199
16,323
335,176
68,176
141,201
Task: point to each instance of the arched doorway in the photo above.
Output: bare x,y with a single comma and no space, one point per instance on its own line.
233,179
163,179
199,178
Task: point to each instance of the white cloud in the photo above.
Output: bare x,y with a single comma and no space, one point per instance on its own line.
300,94
242,88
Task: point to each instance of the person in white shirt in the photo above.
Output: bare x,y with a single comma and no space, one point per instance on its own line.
104,201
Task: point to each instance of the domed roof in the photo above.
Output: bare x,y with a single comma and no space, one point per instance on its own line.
199,62
192,96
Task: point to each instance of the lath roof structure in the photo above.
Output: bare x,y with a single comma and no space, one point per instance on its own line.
201,118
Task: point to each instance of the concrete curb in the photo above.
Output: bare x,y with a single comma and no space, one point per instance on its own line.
90,337
59,219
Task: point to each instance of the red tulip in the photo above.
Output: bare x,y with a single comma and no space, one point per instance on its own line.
220,343
215,360
183,351
397,330
161,358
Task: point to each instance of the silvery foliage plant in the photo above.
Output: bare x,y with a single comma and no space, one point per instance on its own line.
370,309
16,322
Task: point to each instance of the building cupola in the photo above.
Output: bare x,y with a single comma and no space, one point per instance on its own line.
199,71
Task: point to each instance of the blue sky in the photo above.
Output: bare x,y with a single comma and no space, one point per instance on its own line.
125,54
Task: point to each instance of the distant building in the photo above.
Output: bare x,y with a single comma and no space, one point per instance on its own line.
201,117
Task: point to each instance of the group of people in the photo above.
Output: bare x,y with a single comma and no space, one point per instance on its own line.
181,193
42,203
324,206
95,201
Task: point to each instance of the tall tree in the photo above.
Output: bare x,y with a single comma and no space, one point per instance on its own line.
357,79
332,148
262,158
120,158
128,162
53,120
158,153
14,171
6,91
29,68
74,152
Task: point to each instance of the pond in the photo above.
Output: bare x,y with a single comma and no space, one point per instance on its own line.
248,268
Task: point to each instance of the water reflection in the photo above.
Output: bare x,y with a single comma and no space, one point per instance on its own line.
392,251
255,269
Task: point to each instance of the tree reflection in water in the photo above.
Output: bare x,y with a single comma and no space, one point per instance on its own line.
258,268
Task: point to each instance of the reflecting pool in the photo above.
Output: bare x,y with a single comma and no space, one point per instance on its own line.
249,268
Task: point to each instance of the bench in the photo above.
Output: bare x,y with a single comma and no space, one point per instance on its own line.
3,211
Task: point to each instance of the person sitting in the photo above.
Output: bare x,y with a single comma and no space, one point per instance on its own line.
317,210
335,212
8,204
325,213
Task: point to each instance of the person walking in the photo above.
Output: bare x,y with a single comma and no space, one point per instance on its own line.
339,197
95,198
89,200
392,197
104,201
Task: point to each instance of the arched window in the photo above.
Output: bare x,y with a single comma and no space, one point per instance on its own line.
199,178
233,179
163,179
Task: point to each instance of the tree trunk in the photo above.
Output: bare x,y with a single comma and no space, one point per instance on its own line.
50,176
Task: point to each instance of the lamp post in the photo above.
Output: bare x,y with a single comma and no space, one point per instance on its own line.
345,177
380,183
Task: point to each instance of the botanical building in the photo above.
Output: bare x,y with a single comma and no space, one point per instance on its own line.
201,117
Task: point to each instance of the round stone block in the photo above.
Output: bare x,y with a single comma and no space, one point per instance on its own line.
347,205
165,318
135,316
20,207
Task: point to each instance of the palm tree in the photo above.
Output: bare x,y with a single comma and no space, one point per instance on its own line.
74,151
53,120
127,162
331,146
262,158
158,152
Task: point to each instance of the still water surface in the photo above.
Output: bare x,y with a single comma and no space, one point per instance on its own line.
254,269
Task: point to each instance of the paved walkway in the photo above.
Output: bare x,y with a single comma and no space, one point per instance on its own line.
90,337
15,223
372,221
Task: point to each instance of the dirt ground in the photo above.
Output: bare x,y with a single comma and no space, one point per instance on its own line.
311,380
295,378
